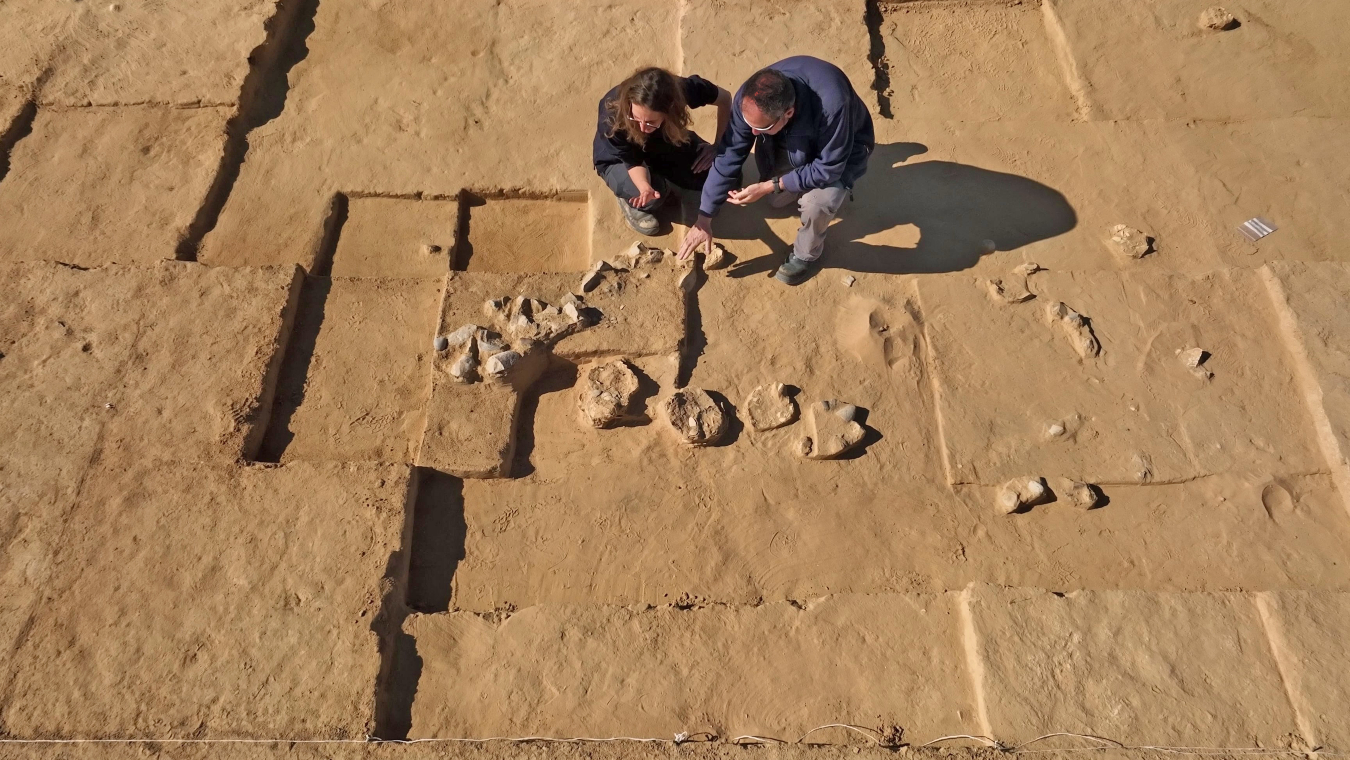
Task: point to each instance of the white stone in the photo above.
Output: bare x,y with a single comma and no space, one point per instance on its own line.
499,364
848,280
440,343
461,336
465,368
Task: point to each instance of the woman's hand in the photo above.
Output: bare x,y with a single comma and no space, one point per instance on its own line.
646,195
750,194
704,161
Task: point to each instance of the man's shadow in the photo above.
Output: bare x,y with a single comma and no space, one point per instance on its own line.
905,218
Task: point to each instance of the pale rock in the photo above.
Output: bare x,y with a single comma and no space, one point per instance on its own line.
1218,20
461,336
1129,243
493,307
1028,269
521,326
1020,493
848,280
595,275
717,259
1076,328
430,249
606,390
639,255
831,430
1054,430
570,298
440,343
465,368
769,407
1142,465
688,282
501,363
571,311
696,417
1009,293
1082,495
488,342
1194,357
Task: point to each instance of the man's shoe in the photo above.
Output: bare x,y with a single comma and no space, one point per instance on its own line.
793,271
641,221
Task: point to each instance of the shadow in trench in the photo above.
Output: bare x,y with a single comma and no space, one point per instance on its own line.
19,129
261,99
393,705
438,534
924,217
561,376
422,581
290,393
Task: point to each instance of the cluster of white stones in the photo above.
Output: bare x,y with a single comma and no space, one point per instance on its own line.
525,327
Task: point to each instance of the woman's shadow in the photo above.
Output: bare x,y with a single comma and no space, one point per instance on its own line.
929,216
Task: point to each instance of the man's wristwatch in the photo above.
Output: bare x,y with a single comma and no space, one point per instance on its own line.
777,186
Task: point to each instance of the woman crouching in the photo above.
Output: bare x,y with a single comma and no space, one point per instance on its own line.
643,143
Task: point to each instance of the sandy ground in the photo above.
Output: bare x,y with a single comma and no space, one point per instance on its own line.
242,497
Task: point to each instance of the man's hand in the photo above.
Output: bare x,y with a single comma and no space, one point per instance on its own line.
747,195
704,160
698,235
645,195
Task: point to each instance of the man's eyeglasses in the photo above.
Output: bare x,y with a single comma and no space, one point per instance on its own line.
759,130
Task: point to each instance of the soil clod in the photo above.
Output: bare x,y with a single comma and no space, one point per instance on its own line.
606,390
832,430
1020,494
1076,327
718,258
1082,495
1218,19
769,407
696,417
1128,243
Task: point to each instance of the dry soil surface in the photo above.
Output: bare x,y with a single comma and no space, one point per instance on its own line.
243,497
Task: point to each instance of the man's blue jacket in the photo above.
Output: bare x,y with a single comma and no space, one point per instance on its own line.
828,139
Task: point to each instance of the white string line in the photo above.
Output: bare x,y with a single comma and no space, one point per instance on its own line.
874,735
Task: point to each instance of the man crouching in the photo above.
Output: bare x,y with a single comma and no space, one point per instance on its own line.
812,136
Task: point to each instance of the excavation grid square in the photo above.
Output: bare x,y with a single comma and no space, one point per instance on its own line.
505,234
